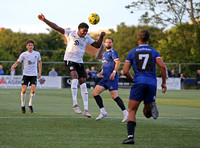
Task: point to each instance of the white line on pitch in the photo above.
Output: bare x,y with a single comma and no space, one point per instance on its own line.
58,117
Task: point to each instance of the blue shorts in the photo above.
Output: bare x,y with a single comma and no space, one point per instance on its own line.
109,84
144,92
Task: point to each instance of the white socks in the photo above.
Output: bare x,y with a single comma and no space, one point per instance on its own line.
125,112
32,97
102,110
23,97
84,94
74,86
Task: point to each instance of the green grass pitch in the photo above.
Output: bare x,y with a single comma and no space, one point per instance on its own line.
54,123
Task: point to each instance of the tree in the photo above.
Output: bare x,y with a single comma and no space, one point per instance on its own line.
125,38
167,12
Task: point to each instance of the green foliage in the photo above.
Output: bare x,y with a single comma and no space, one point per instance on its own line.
125,38
180,45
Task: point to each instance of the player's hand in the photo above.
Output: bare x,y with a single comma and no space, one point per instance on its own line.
164,88
102,34
12,68
112,76
100,74
41,17
39,75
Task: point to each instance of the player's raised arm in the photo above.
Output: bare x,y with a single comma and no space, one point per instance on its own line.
51,24
97,44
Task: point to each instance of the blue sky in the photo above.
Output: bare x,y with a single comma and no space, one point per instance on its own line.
22,14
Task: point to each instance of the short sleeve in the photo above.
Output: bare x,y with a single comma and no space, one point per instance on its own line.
129,57
39,57
157,55
67,32
21,57
115,56
89,40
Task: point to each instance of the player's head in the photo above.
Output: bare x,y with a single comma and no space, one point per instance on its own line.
30,45
30,41
82,29
144,36
109,43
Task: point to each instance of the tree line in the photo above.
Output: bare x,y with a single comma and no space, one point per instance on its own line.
176,45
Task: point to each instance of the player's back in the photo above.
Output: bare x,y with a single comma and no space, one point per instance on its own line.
143,60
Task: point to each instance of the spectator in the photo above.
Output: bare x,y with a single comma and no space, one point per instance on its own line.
1,70
198,79
53,72
88,75
121,74
93,72
172,75
182,77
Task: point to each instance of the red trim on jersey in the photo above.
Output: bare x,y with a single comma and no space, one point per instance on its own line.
116,60
127,61
158,58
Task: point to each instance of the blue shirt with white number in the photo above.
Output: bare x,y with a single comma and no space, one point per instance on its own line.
143,61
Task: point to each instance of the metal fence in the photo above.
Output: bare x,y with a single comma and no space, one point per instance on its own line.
189,69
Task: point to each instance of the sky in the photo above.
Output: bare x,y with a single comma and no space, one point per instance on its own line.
21,15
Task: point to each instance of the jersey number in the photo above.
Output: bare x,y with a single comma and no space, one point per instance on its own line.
144,61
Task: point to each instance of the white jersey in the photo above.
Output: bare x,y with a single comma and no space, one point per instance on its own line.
30,62
76,46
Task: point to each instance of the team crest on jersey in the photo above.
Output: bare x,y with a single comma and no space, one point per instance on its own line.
76,42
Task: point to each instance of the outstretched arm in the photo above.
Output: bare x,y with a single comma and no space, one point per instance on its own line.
51,24
97,44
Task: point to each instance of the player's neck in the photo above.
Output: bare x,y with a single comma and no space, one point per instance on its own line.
108,49
30,51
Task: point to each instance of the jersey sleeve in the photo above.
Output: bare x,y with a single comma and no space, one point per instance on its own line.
129,58
157,55
67,32
89,40
21,58
115,56
39,57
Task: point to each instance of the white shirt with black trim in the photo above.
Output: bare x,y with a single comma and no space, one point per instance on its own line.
30,62
76,46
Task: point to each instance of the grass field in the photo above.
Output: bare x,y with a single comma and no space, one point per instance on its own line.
54,124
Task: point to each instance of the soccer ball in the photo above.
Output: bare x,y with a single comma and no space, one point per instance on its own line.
94,18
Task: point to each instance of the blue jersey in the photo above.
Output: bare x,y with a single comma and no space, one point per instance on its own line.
93,74
143,60
109,58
